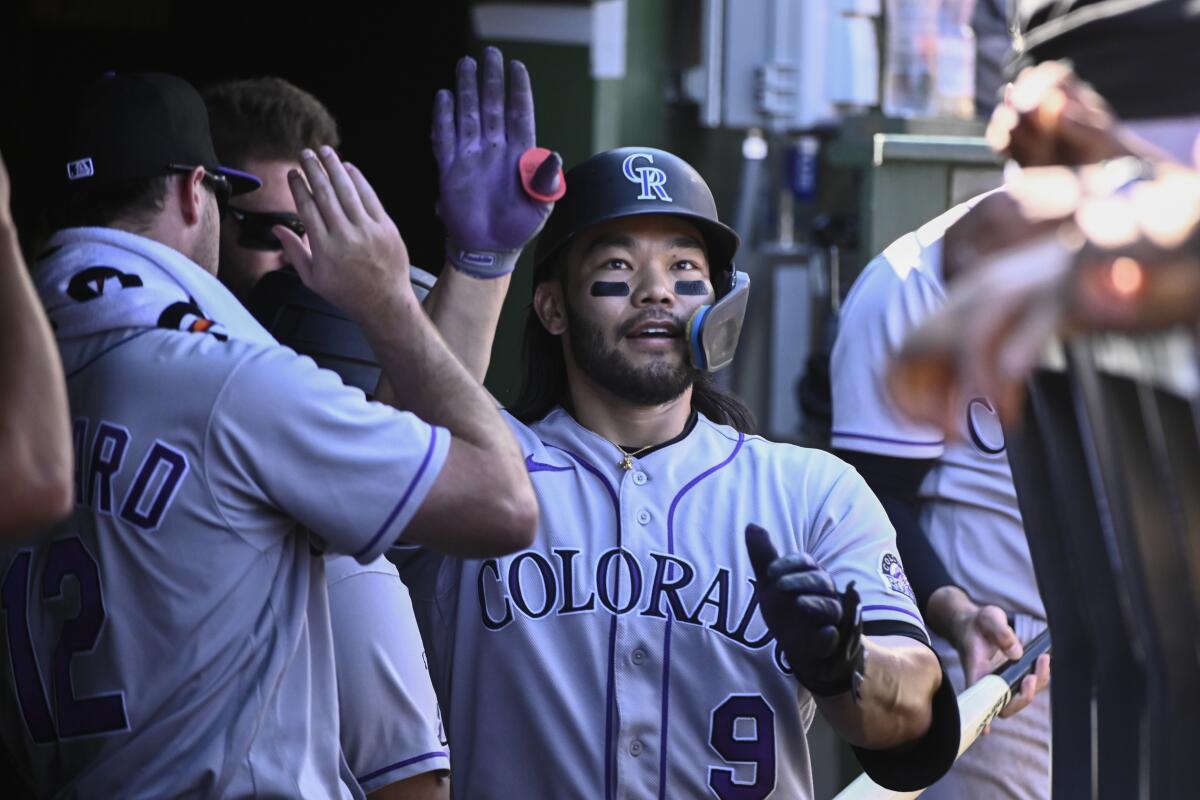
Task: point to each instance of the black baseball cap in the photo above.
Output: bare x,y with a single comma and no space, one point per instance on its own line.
139,125
1140,55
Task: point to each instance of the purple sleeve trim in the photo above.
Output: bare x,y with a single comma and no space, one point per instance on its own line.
404,763
886,440
387,523
900,609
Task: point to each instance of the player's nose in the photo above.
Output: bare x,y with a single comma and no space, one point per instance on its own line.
653,288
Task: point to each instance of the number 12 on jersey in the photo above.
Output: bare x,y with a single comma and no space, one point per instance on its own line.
74,716
743,732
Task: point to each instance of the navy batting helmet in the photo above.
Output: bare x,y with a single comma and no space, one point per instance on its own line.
630,182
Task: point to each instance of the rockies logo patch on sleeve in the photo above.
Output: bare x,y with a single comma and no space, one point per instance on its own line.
892,572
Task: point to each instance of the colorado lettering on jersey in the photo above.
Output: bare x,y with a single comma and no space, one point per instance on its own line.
100,458
534,586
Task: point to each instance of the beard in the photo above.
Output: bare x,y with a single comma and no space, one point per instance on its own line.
652,385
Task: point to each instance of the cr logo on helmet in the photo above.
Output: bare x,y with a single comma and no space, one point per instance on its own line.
652,179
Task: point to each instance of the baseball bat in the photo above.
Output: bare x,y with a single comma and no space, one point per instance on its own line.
978,705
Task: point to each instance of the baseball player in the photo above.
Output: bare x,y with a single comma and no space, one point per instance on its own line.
172,638
954,508
652,642
389,719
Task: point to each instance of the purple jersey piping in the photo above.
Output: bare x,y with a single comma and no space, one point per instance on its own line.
404,763
387,523
609,700
106,351
666,678
886,440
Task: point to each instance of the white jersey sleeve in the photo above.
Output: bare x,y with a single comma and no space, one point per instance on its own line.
390,723
895,292
850,536
288,435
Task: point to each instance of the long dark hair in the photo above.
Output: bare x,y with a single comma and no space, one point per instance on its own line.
544,384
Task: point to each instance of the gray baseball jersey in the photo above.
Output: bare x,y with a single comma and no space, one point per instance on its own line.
970,511
172,637
391,727
970,506
623,655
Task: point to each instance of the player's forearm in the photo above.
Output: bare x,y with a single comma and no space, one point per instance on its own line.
35,440
465,311
428,380
426,786
895,702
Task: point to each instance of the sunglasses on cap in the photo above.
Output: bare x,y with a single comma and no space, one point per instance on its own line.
254,227
218,184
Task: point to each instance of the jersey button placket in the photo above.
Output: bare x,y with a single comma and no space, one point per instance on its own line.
635,748
643,516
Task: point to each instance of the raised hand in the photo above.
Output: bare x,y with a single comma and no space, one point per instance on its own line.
496,187
357,259
819,629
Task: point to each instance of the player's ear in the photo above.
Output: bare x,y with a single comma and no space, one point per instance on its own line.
191,194
548,305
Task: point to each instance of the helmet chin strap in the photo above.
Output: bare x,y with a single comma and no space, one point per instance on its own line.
713,330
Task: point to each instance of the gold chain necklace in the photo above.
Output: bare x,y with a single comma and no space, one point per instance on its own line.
626,463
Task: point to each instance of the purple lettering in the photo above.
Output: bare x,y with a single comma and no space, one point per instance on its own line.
608,581
154,486
488,622
108,452
549,585
569,606
663,585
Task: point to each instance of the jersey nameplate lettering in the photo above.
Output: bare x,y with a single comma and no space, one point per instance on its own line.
101,456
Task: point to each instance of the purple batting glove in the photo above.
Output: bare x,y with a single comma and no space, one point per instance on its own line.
491,203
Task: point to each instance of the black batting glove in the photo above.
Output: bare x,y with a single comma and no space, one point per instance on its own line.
819,629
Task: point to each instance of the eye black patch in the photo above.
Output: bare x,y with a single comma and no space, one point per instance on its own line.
691,287
610,289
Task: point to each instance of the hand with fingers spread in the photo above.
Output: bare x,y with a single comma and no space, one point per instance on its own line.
496,187
357,259
819,629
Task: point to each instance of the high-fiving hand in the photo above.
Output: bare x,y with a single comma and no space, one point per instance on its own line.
496,187
357,259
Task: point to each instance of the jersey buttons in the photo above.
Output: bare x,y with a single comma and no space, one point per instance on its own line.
640,478
635,748
638,656
643,516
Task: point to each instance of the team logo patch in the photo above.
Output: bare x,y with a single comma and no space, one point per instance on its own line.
651,180
89,284
893,575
